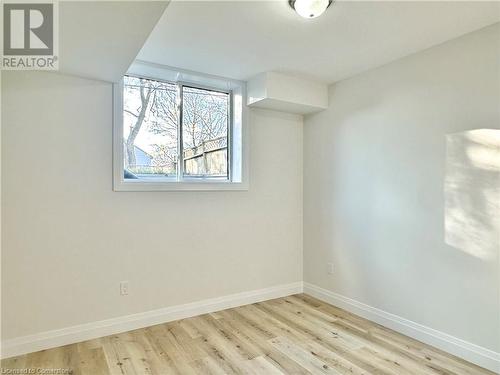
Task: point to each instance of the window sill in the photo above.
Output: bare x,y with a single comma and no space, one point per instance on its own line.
180,186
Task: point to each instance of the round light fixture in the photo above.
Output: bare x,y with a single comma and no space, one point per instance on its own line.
310,8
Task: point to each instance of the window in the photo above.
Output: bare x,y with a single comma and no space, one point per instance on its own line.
177,135
205,130
150,119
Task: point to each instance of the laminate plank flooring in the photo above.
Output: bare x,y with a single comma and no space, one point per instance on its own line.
292,335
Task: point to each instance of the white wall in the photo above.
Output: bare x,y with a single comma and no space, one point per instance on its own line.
403,197
68,239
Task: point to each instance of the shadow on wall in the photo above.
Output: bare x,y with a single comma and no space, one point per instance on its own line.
472,192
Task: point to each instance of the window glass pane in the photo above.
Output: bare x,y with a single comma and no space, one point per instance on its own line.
149,128
205,125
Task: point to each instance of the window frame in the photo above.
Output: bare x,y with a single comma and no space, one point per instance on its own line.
180,174
236,148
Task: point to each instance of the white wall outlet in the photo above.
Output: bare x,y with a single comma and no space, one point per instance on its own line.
124,288
331,269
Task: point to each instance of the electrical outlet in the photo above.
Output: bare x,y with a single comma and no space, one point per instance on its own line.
331,269
124,288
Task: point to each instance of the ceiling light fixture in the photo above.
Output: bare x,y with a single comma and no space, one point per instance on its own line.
310,8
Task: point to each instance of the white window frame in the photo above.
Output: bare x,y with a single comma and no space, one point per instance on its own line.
237,142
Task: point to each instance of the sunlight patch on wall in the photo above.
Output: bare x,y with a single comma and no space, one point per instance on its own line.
472,192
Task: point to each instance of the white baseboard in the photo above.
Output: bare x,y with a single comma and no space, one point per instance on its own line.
50,339
88,331
470,352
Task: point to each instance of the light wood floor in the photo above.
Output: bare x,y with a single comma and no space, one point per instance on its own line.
292,335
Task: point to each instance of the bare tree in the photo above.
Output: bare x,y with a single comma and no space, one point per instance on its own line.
164,110
204,116
145,90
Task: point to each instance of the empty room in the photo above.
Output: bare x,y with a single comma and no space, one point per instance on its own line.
250,187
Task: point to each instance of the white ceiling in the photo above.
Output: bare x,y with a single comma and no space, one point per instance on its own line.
239,39
100,39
